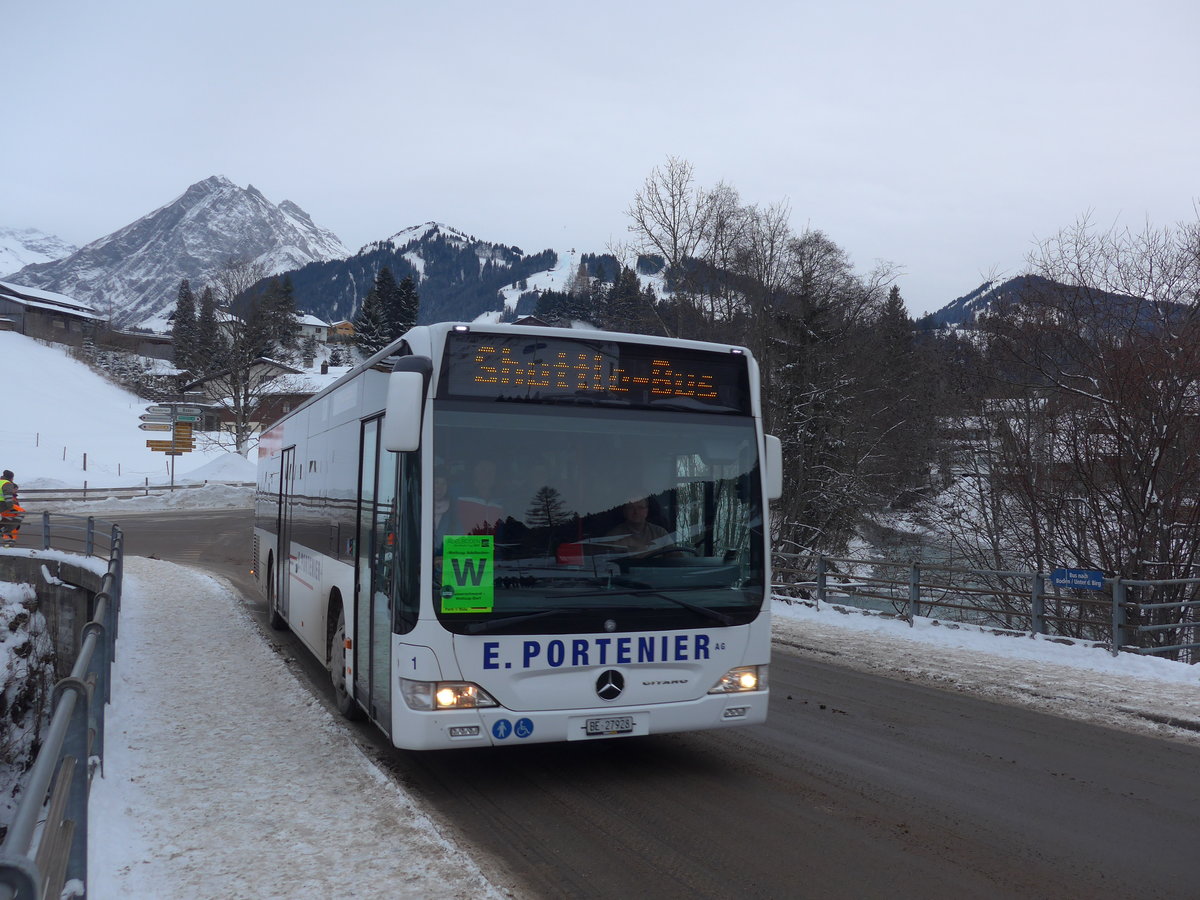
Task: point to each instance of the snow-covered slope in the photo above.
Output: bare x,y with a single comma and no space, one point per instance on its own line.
133,274
20,247
68,426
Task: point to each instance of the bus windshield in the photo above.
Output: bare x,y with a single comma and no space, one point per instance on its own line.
556,520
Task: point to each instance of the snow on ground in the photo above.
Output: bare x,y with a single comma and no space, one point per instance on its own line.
65,412
211,769
216,773
1079,681
224,777
218,759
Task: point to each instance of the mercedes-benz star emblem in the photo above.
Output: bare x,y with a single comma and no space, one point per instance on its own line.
610,684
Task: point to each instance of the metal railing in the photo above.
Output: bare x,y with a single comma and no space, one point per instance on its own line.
60,495
46,844
1128,615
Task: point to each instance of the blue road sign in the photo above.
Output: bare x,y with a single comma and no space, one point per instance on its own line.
1079,579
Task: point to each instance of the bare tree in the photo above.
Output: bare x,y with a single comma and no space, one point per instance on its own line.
671,216
1093,435
244,377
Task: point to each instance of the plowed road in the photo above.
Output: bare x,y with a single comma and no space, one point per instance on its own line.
857,786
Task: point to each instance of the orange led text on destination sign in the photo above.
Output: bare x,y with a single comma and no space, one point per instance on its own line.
587,372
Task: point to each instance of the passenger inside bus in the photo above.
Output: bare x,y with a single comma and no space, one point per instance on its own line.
637,534
478,509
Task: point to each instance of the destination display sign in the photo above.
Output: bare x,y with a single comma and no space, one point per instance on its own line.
478,365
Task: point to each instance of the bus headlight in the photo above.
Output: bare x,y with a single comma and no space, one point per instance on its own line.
743,678
432,695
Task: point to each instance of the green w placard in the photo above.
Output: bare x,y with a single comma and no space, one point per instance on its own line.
467,578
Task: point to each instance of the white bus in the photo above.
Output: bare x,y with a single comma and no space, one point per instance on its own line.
498,535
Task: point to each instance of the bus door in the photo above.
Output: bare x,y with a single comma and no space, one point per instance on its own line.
283,550
375,576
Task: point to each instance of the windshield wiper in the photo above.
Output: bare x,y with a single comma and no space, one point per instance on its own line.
493,624
683,404
687,604
637,592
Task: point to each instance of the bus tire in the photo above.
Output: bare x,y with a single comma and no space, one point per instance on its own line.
343,693
274,619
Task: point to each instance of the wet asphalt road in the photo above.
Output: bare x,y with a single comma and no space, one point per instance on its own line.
857,786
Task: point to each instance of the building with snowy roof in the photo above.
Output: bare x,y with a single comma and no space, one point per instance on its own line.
47,315
311,326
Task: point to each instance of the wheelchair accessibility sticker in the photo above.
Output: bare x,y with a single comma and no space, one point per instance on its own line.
522,728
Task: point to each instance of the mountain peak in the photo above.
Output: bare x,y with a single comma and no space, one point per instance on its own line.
427,231
21,247
134,273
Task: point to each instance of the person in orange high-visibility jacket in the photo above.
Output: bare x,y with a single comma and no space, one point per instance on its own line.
10,509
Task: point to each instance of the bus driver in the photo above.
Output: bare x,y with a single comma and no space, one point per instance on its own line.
636,533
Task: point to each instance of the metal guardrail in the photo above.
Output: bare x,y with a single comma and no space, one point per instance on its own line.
44,495
1008,600
46,844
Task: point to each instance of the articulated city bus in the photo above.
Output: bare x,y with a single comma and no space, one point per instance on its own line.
501,535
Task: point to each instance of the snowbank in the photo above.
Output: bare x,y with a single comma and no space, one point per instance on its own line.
224,777
1079,681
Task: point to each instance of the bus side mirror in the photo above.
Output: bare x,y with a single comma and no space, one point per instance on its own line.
773,466
402,415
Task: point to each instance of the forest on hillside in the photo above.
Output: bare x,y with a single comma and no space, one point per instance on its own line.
1060,429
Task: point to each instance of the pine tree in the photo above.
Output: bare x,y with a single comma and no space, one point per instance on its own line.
286,324
308,350
622,302
209,354
371,331
389,301
407,307
274,329
184,328
547,510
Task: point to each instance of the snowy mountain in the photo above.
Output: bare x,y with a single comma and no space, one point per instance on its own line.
133,274
458,276
966,310
28,246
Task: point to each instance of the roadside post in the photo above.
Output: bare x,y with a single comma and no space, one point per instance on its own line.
176,418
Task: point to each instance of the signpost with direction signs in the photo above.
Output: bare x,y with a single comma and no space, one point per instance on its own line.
176,418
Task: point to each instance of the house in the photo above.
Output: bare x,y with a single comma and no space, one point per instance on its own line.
311,326
141,343
273,388
342,331
47,315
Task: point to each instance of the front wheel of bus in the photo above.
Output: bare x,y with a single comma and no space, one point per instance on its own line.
343,697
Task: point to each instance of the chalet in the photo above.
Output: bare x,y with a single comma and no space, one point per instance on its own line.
311,326
277,390
342,331
47,315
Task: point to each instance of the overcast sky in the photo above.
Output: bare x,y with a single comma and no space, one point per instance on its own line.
944,136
